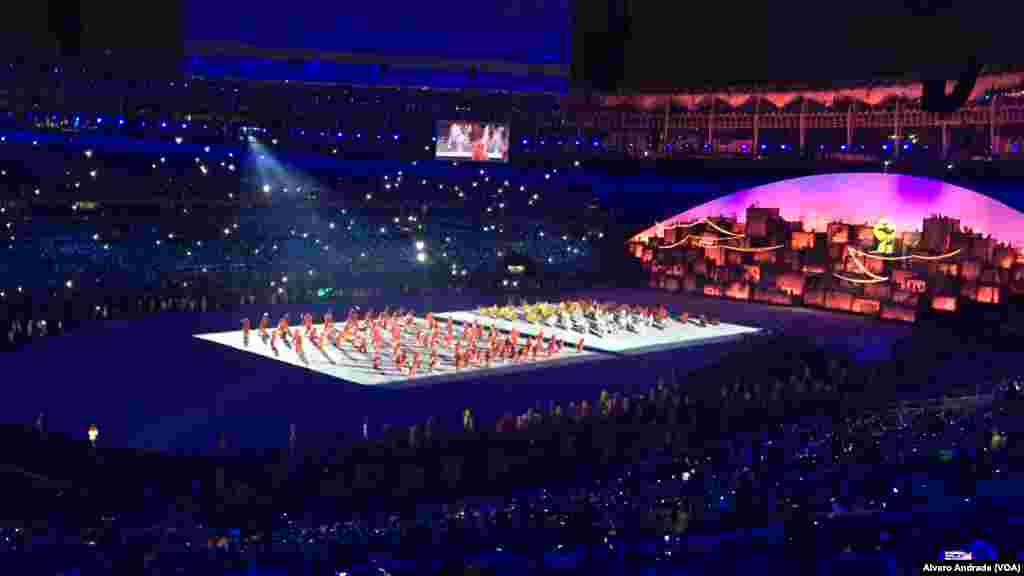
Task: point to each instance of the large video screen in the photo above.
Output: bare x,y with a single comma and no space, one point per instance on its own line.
474,141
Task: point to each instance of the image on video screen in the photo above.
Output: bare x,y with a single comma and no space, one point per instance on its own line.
476,141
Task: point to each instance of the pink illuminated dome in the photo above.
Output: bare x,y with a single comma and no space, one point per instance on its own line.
864,198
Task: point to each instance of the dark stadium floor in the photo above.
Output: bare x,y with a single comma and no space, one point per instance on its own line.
148,383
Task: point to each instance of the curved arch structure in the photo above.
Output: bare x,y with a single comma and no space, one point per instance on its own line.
868,96
863,198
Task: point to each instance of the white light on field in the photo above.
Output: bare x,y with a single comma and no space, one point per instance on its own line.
266,188
420,245
421,257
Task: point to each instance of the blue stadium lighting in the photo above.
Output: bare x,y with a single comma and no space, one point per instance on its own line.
843,147
99,120
163,124
120,121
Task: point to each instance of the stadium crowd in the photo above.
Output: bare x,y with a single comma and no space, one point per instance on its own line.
79,248
779,444
119,200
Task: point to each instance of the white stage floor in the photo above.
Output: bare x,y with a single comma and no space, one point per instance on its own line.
674,335
352,366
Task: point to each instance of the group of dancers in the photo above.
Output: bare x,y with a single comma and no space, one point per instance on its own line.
598,319
468,345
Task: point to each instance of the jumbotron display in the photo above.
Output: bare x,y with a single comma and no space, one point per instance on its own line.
475,141
875,244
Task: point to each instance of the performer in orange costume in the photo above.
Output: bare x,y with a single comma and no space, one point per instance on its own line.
246,327
579,345
298,345
264,324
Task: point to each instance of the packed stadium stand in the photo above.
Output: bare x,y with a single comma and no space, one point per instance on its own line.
170,246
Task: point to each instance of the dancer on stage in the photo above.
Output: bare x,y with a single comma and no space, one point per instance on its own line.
298,346
264,324
246,327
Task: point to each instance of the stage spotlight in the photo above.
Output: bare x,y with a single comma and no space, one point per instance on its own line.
421,257
177,140
420,245
266,188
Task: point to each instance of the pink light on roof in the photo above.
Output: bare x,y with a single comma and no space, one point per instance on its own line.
905,201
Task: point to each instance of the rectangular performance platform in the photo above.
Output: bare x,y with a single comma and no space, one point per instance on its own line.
350,365
674,335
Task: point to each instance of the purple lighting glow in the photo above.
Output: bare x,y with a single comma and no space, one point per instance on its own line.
864,199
